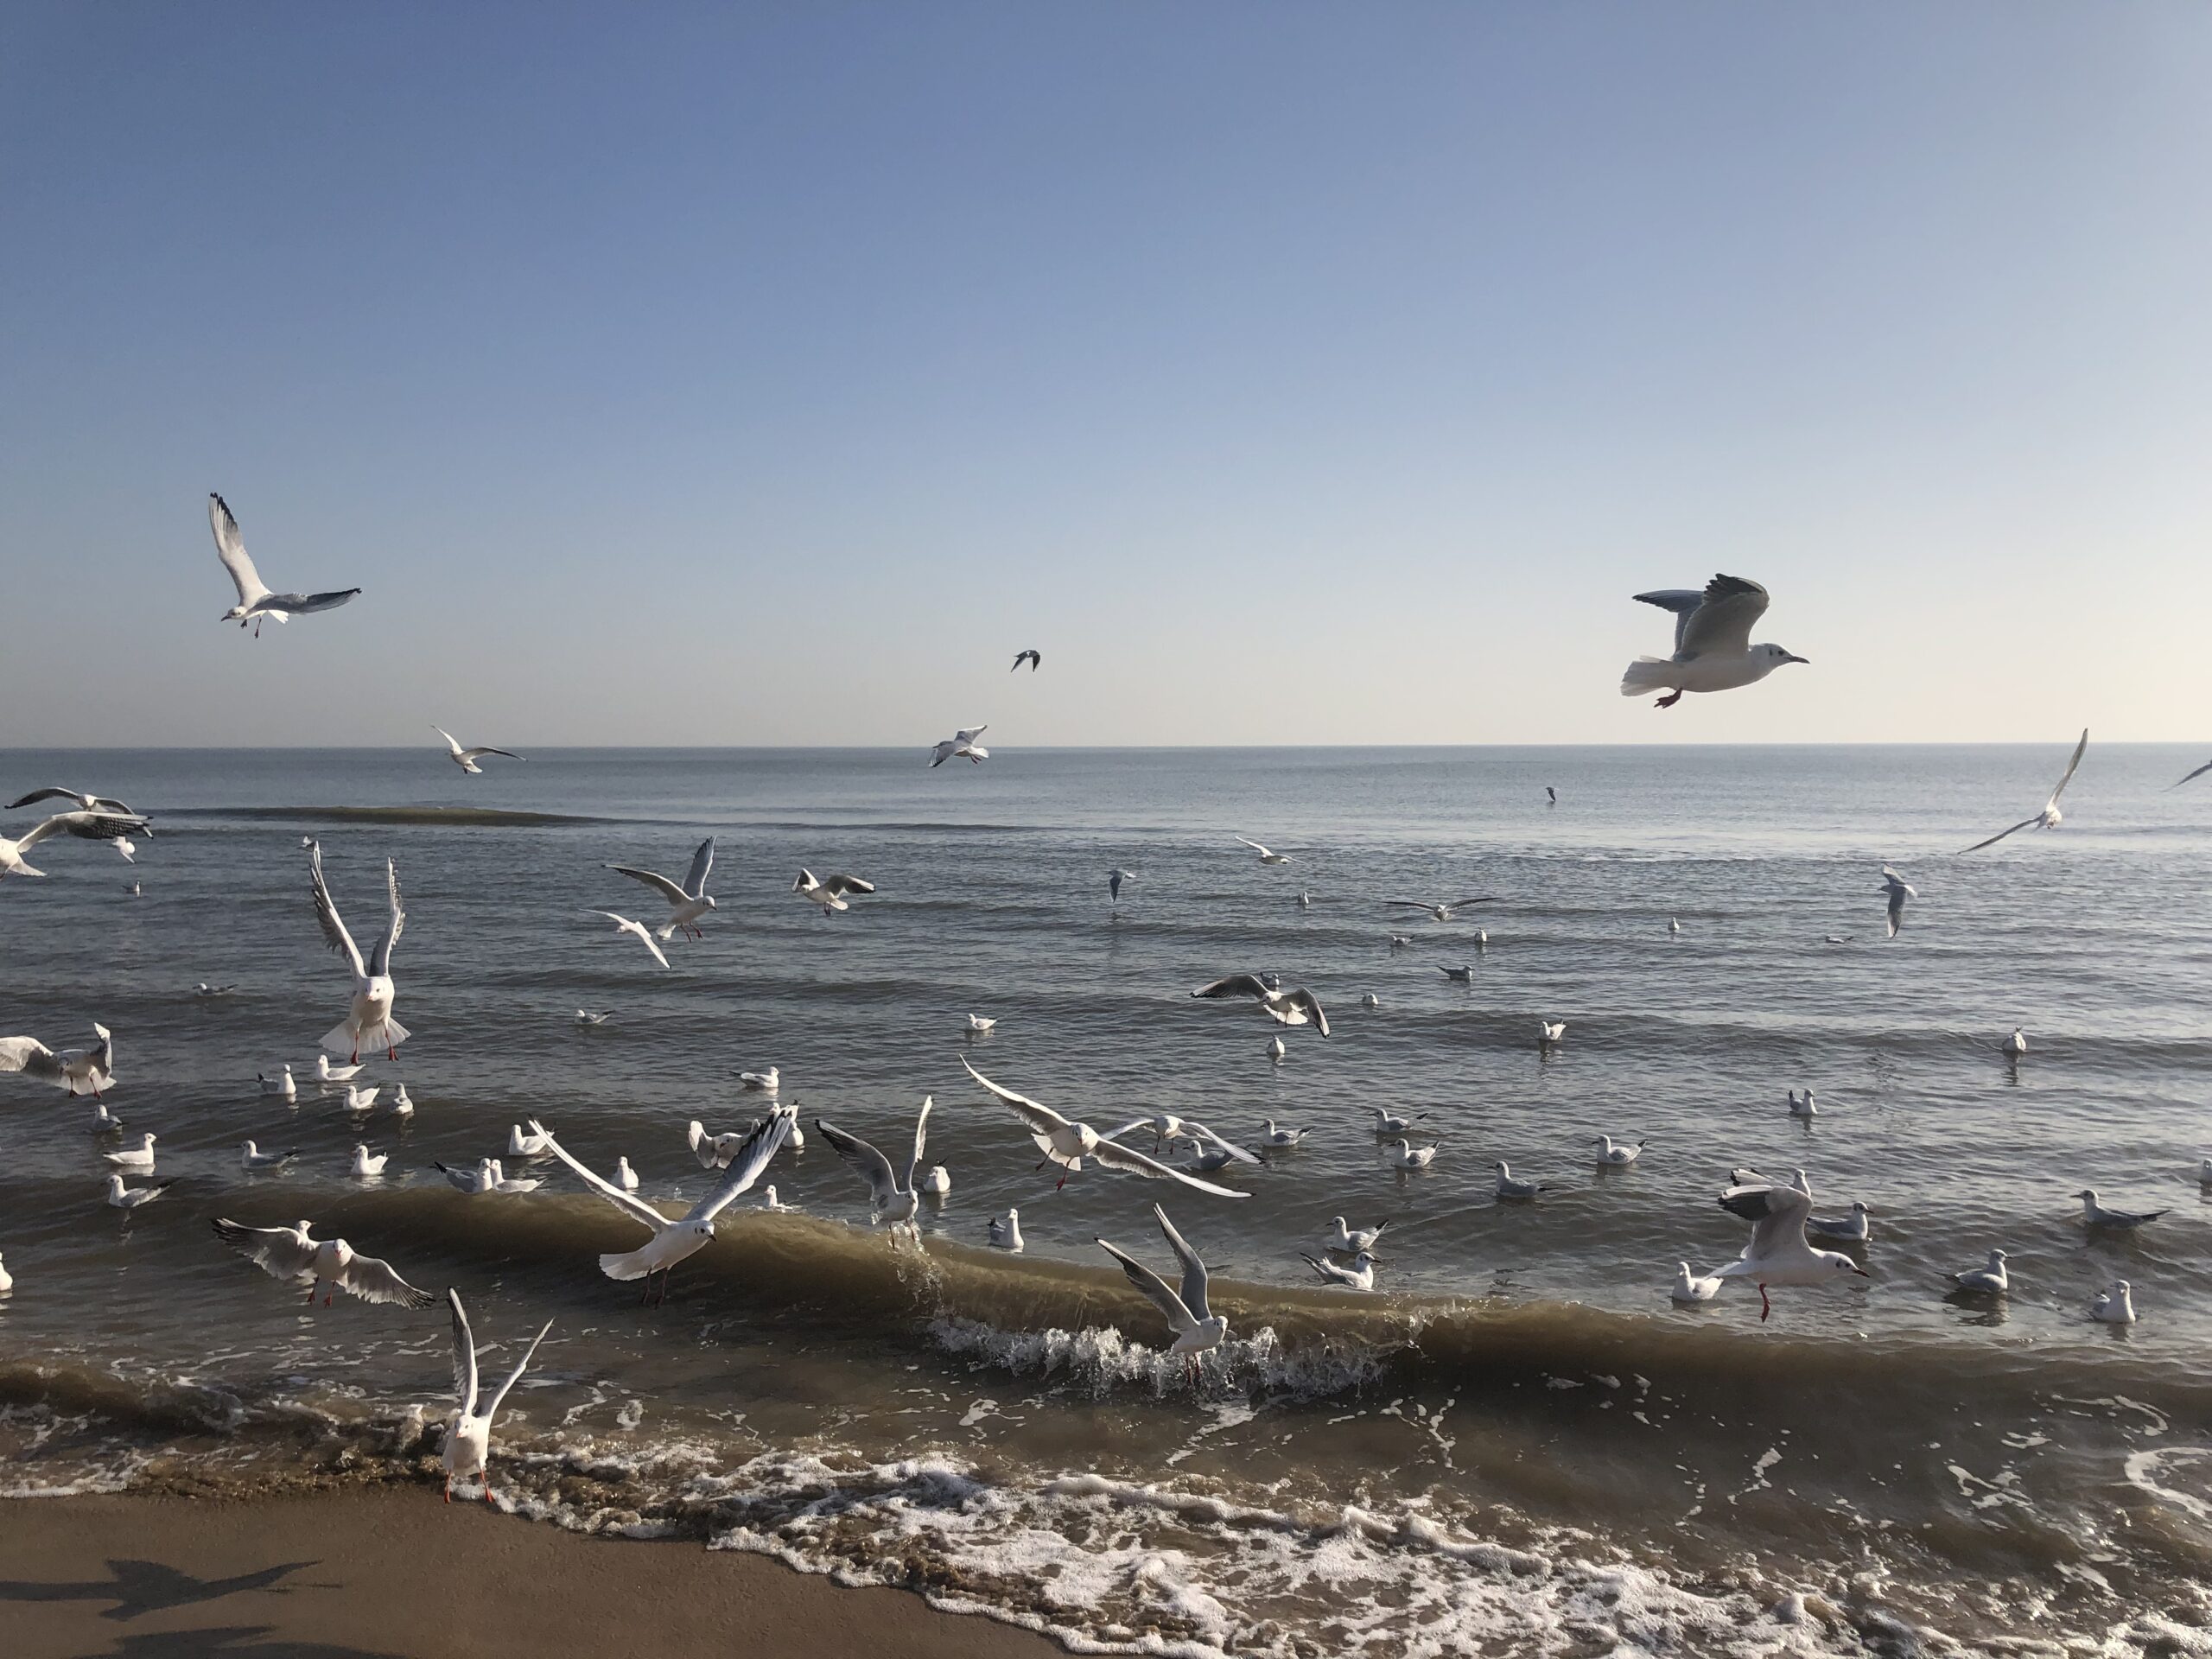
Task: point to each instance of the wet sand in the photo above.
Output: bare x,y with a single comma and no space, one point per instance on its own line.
383,1574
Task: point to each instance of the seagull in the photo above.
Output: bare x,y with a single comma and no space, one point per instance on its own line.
1360,1275
255,600
1114,880
1712,642
1306,901
1400,941
358,1099
1005,1232
402,1104
485,1178
1617,1153
1510,1185
585,1017
469,1434
1275,1050
282,1088
502,1182
1777,1253
1993,1278
129,849
1296,1007
936,1183
325,1072
2115,1305
1369,1001
1674,925
1550,1032
626,1177
1463,973
1353,1240
368,1166
252,1157
107,805
328,1265
686,904
715,1151
961,742
536,1144
1405,1155
122,1198
624,925
1198,1134
2203,1172
890,1198
765,1083
1690,1288
7,1280
1894,885
2120,1221
1280,1138
1034,661
1753,1178
370,1019
93,1068
2015,1046
104,1121
769,1200
1854,1228
203,989
978,1025
1551,796
2050,818
467,758
1444,913
2199,773
674,1241
1196,1327
1803,1105
1390,1124
1068,1144
139,1158
830,893
1266,856
85,826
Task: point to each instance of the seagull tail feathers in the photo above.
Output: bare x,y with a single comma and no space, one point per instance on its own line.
1647,674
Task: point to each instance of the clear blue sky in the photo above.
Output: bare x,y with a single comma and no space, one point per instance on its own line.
1283,372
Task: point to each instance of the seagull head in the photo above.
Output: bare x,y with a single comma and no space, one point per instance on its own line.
708,900
1773,656
1842,1263
236,614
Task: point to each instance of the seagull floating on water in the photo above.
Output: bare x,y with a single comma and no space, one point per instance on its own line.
325,1072
891,1198
328,1265
1777,1253
255,600
1856,1227
686,903
1005,1232
2115,1305
937,1181
585,1017
1894,886
1275,1050
765,1083
1280,1138
2119,1221
1712,642
1465,974
1369,1001
1617,1153
961,742
1674,925
252,1157
624,925
1196,1327
715,1151
1803,1105
85,826
2015,1046
2050,818
360,1100
1360,1275
104,1121
122,1198
1405,1155
139,1158
1388,1122
829,893
368,1166
369,1020
978,1025
1351,1240
1267,855
536,1144
1067,1144
1692,1288
1991,1279
1551,1033
468,1433
91,1068
402,1104
467,758
1510,1185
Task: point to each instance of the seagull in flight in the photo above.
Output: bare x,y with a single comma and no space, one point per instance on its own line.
469,1434
1114,880
93,1068
1712,642
370,1019
687,903
675,1241
1068,1144
108,805
2050,818
467,758
85,826
328,1265
1196,1327
890,1198
829,893
961,742
1895,886
1296,1007
2177,784
255,600
1266,855
1778,1253
1031,658
624,925
1443,912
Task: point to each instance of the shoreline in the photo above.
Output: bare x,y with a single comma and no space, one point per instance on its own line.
380,1573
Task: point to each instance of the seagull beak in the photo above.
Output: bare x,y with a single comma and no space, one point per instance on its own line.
1862,1273
1788,656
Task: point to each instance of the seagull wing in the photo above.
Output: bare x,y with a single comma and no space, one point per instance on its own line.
1302,998
1682,602
29,1056
374,1282
88,802
325,913
660,884
464,1356
380,958
1112,1155
2001,834
752,1161
1777,1215
1254,845
284,1252
943,751
841,884
1041,1120
624,925
1193,1289
85,826
694,884
230,548
1724,622
1235,1152
451,742
636,1209
1486,898
921,1136
2199,773
2070,765
863,1157
1234,985
299,604
1154,1289
478,752
515,1375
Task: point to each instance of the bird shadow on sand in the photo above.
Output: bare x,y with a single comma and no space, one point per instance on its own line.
234,1641
138,1587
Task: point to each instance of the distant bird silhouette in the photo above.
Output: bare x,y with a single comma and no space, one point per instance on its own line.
1031,658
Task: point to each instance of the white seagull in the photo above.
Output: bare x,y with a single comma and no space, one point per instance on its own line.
1351,1240
1388,1123
139,1158
1068,1144
2119,1221
369,1020
1777,1253
122,1198
626,1177
485,1178
1465,974
829,893
255,600
1196,1327
1691,1287
536,1144
2015,1046
1368,1000
687,903
7,1279
1991,1279
402,1104
1267,855
467,758
2050,818
1406,1155
585,1017
104,804
91,1068
1295,1007
1803,1105
892,1197
1674,925
1511,1186
1360,1275
937,1181
1895,886
1617,1153
2115,1305
1550,1032
624,925
1712,642
85,826
715,1151
1444,913
1005,1231
1280,1138
368,1166
104,1121
765,1082
1275,1050
358,1099
252,1157
328,1265
961,742
978,1025
1856,1228
325,1072
675,1241
129,849
282,1088
468,1434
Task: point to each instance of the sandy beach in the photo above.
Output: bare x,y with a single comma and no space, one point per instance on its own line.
384,1574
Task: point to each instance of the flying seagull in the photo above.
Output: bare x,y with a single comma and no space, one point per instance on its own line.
829,893
624,925
85,826
467,758
1712,642
468,1435
1296,1007
890,1199
1034,661
961,742
2050,818
1443,912
1068,1144
328,1265
108,805
1266,856
1894,885
686,904
1778,1253
93,1068
2177,784
1114,880
255,600
1196,1327
370,1019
